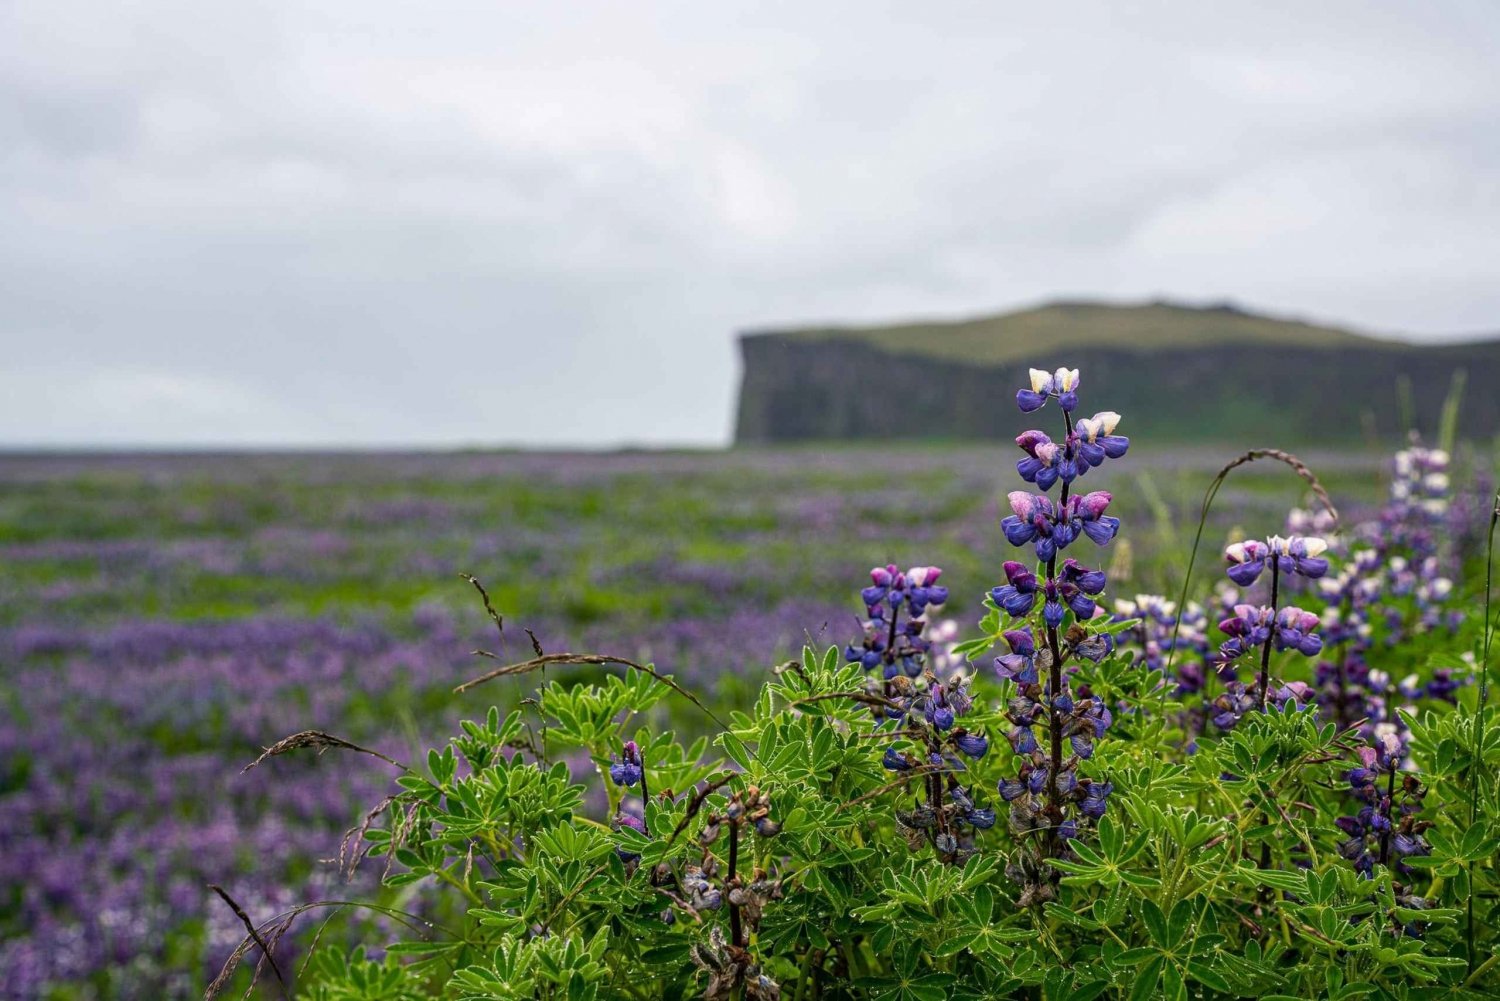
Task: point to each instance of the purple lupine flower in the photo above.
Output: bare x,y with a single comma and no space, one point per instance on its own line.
1095,797
1231,704
956,691
1097,439
1085,513
1087,446
1382,757
1245,561
1228,707
626,771
925,590
1294,631
871,653
898,647
888,585
1062,384
1019,594
1248,629
1020,664
1297,693
1443,685
1052,603
1251,625
1049,795
974,745
1088,581
897,761
1074,587
1296,555
946,761
1035,520
1045,461
1096,647
1098,715
981,818
1022,709
1022,740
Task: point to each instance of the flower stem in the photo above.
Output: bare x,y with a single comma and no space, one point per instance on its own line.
735,930
645,798
1265,650
1054,726
1265,693
1055,681
1390,803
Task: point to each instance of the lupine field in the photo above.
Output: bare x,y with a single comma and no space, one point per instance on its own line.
1035,772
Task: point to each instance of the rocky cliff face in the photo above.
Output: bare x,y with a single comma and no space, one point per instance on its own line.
797,388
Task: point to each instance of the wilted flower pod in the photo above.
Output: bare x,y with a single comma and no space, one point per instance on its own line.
701,894
710,832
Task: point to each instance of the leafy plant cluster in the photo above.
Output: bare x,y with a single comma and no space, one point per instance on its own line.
1309,808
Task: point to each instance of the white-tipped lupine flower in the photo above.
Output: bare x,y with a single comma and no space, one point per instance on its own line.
1062,384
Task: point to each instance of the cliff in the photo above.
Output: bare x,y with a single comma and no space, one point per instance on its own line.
1174,371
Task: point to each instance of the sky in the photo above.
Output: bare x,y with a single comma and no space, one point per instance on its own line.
543,224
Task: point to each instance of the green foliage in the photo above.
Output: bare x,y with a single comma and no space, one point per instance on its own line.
532,897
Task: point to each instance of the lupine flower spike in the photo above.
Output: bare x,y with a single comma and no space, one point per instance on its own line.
895,646
1054,725
925,710
1262,628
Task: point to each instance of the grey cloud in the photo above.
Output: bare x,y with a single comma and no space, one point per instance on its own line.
542,224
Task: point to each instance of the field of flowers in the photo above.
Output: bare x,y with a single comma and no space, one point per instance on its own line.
165,618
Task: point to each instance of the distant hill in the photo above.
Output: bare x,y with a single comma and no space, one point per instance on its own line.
1175,371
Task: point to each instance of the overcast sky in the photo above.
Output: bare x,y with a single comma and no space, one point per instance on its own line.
543,223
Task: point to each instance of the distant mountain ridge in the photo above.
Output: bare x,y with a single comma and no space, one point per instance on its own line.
1217,370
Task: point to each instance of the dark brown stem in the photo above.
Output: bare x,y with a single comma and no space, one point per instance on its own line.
1390,803
735,929
645,798
1265,650
1265,694
890,653
1054,718
1055,728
